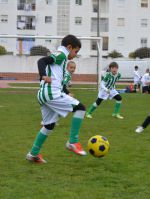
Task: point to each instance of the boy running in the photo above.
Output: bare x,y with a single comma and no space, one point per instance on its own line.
107,90
54,102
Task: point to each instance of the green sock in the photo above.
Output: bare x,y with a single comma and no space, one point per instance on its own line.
92,108
117,107
75,127
39,140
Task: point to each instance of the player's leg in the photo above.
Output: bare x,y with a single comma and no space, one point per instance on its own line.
77,119
62,106
135,86
144,125
93,107
49,119
117,107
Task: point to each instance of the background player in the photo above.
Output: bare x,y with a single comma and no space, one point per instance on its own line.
146,82
137,78
144,125
70,69
107,90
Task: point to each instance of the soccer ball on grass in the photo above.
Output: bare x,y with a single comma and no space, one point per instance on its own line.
98,146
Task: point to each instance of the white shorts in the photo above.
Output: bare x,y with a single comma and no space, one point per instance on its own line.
104,95
61,106
136,82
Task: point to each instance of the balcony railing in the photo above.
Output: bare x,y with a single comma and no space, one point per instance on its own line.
25,26
26,6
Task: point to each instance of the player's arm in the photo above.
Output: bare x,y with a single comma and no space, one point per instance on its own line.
103,82
65,90
42,64
104,87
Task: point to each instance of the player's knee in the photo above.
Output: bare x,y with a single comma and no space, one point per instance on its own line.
98,101
79,107
118,98
50,126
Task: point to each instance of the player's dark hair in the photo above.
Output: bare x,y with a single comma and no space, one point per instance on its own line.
71,40
113,65
136,67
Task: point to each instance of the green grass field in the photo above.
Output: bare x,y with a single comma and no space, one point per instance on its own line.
123,174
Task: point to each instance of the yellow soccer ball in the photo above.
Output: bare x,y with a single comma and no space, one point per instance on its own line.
98,146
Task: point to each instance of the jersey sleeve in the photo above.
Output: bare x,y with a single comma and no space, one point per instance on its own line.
106,77
119,75
42,64
58,57
66,80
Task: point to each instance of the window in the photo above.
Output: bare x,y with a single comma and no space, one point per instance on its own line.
144,3
78,2
49,2
144,22
143,42
3,18
121,3
95,4
25,22
24,45
120,41
78,20
3,1
120,22
93,45
105,43
103,26
26,5
48,19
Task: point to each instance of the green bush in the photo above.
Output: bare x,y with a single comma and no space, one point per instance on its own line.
2,50
39,50
132,55
142,53
115,54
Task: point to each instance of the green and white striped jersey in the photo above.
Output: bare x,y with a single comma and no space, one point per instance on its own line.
67,78
56,71
109,80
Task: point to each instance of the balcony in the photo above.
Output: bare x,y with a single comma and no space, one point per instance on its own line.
27,6
26,22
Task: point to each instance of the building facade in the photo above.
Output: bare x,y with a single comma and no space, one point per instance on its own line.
124,25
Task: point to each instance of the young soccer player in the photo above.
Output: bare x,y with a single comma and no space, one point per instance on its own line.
146,82
144,125
70,69
107,90
137,78
54,102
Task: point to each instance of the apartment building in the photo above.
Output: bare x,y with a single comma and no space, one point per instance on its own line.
124,25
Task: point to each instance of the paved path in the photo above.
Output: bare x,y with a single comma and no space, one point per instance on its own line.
5,83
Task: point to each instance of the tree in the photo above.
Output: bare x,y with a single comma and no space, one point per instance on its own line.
115,54
132,55
3,50
142,52
39,50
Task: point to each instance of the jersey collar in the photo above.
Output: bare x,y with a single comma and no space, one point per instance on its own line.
64,50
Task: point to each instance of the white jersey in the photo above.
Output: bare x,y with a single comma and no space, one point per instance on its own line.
55,71
137,76
145,79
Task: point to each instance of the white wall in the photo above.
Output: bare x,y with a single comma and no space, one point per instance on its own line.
25,64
